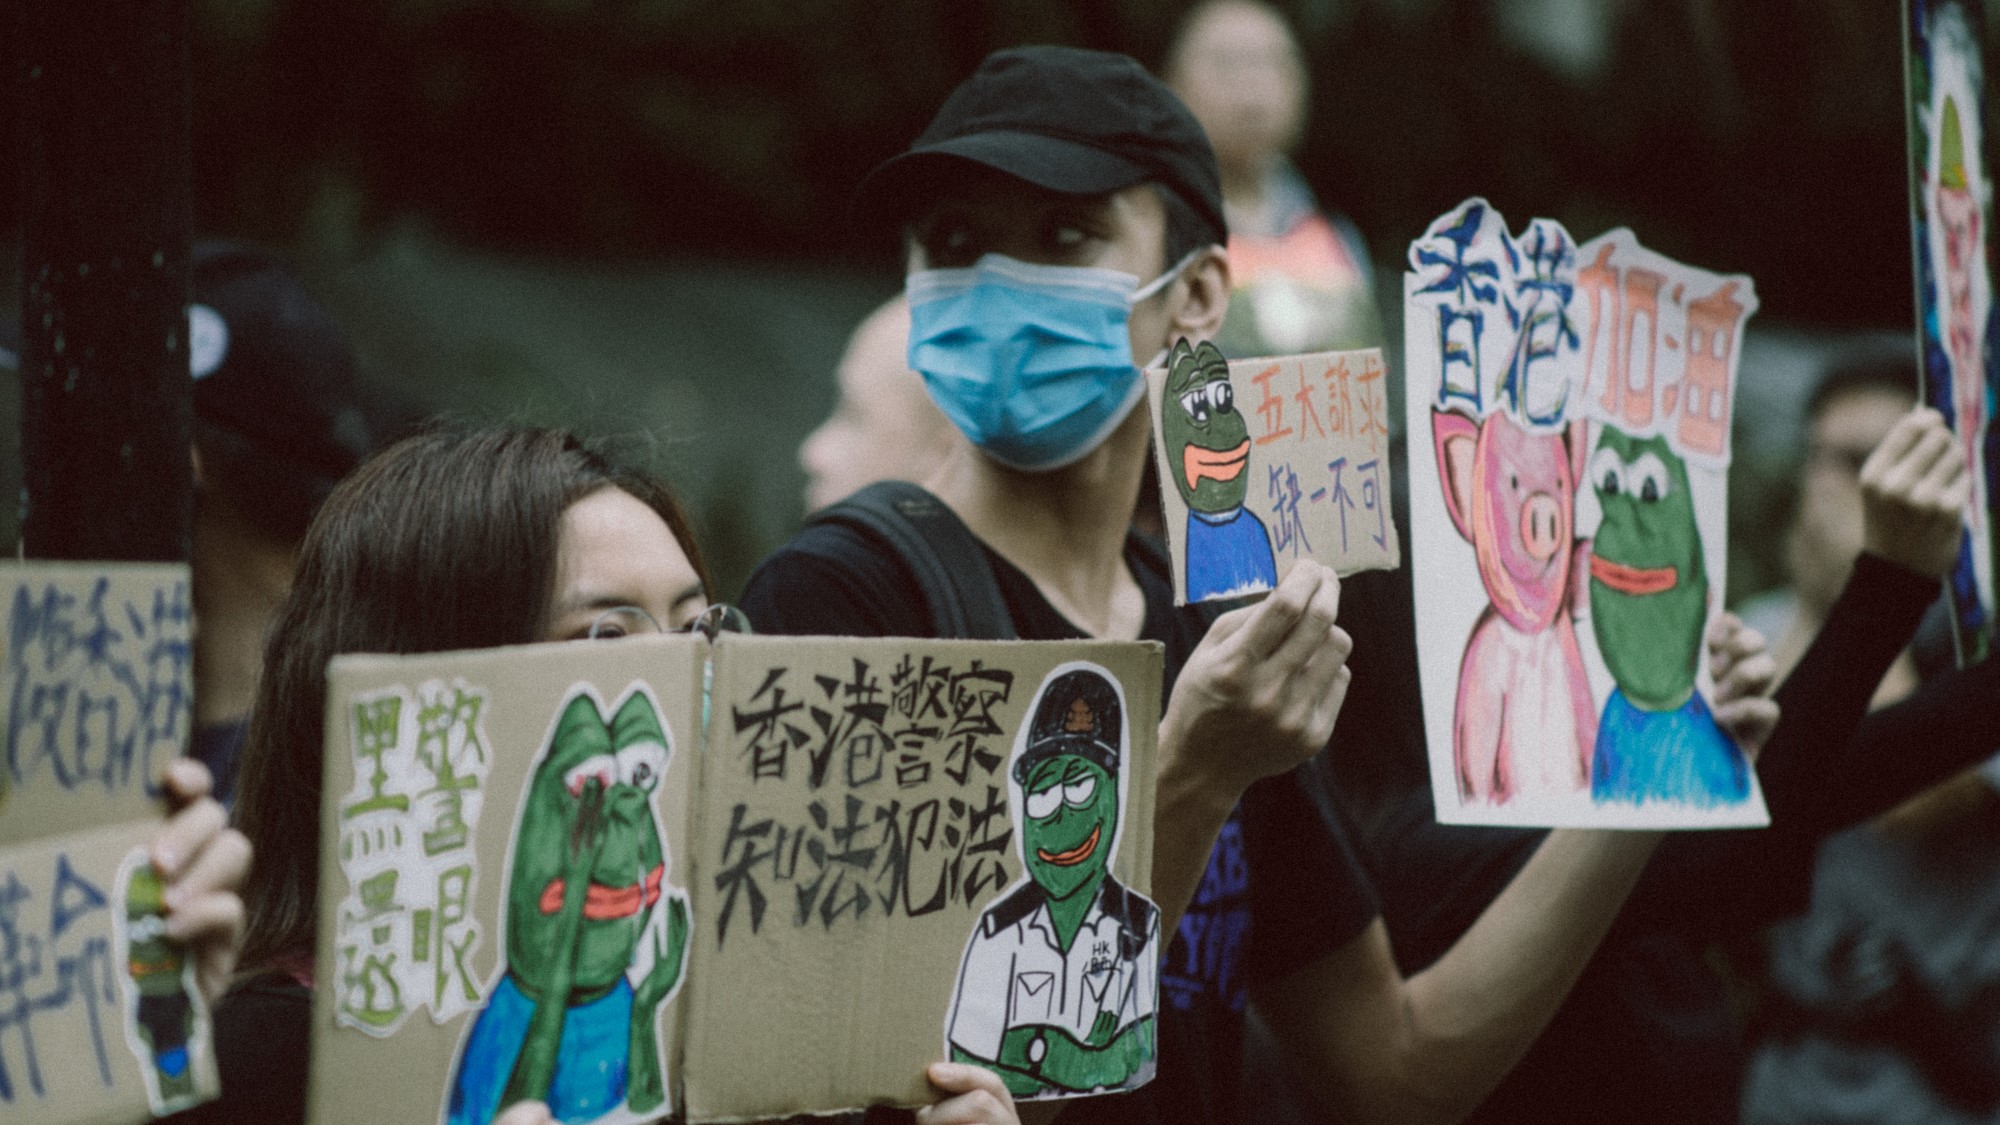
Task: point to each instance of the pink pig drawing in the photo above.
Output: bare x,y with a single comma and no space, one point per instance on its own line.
1524,722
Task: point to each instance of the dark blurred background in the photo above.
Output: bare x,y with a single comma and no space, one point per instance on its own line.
627,215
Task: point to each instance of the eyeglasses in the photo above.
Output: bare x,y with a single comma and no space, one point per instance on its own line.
632,621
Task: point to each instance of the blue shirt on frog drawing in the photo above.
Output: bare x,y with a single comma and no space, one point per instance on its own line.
1678,755
1228,553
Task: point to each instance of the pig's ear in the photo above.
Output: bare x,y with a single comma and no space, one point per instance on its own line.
1457,438
1577,437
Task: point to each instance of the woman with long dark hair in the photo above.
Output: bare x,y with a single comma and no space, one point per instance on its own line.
452,539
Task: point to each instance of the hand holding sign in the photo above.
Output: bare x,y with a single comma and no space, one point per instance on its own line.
1744,673
978,1097
203,863
1261,692
1914,489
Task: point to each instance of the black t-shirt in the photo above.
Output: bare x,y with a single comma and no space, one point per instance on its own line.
1282,888
1647,1034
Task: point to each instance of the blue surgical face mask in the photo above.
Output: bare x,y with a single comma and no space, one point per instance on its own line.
1032,363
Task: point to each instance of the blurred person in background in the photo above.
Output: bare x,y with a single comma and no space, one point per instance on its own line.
279,419
1301,278
1852,409
884,425
1880,1000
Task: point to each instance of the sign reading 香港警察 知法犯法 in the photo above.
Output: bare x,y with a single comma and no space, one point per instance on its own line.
824,846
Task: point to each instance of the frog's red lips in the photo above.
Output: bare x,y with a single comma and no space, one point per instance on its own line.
1076,854
1633,579
1222,464
602,903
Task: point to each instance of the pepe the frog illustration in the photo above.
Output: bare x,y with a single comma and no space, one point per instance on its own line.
1057,992
1656,739
573,1019
1208,453
163,1018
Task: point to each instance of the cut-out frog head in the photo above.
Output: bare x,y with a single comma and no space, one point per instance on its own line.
589,809
1648,580
1207,440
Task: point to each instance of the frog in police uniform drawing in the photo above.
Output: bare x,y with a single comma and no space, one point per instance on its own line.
1657,738
1058,989
1227,548
573,1021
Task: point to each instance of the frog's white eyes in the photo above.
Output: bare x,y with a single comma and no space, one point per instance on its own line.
1647,479
1078,792
603,767
642,764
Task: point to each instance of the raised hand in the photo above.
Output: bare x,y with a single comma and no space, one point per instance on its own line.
1914,489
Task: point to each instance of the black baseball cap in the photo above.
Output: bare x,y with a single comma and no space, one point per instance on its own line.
1067,119
278,409
1078,714
276,398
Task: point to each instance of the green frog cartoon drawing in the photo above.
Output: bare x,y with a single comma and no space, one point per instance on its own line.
1207,441
1657,738
1058,988
162,1031
573,1019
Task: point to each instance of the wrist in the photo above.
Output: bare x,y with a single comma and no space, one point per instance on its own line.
1195,784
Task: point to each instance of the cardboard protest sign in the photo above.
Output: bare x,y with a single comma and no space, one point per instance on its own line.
1568,529
922,850
764,917
100,1019
498,827
1951,208
1308,479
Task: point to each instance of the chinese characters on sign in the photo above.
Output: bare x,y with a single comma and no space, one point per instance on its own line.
905,807
406,929
1570,529
99,1018
1272,461
96,686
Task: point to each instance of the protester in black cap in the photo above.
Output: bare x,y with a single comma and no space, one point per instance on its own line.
1048,186
278,421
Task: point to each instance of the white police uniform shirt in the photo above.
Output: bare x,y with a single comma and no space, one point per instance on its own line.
1016,975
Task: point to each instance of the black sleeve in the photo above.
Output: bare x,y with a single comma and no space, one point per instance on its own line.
833,580
1829,764
263,1034
1308,894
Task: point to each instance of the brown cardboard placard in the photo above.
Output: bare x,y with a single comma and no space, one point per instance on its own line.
100,1021
1267,461
464,794
860,838
832,843
96,689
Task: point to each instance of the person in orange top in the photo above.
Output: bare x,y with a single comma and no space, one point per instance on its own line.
1301,279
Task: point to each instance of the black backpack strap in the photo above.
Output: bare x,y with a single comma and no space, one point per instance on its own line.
948,561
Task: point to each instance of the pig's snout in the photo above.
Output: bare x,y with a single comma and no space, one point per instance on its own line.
1541,526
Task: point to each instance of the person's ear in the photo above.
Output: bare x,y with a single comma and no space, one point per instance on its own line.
1204,301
